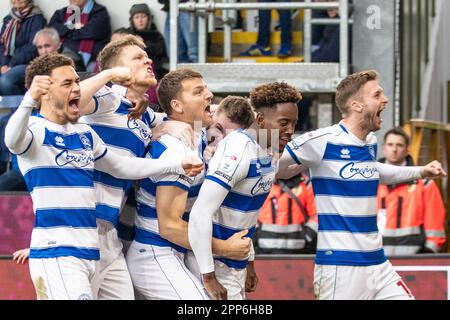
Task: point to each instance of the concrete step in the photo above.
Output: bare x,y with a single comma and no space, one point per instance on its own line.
249,38
216,50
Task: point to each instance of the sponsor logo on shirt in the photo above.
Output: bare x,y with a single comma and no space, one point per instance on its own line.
262,185
224,175
352,169
59,141
66,157
185,178
144,133
345,153
228,164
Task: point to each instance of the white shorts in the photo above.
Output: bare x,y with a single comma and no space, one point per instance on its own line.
160,273
232,279
112,280
62,278
379,282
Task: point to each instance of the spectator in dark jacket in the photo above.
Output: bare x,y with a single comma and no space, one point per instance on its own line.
87,34
141,24
47,41
16,47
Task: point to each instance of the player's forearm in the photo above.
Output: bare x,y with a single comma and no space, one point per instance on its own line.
175,231
89,88
390,174
287,167
219,247
17,136
132,168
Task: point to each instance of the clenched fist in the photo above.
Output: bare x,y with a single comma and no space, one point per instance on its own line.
40,87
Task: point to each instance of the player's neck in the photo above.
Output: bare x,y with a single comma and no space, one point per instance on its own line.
139,89
48,113
354,127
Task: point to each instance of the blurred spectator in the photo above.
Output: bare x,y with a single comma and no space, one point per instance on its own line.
16,47
187,39
328,46
11,179
47,41
287,222
411,216
317,29
262,46
86,35
141,24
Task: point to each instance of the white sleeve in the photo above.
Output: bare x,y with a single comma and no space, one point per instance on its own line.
121,90
251,256
228,165
175,150
106,101
133,168
390,174
209,200
17,136
288,167
308,149
158,117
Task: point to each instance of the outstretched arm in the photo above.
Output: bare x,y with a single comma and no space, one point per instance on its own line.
390,174
92,85
288,167
17,136
132,168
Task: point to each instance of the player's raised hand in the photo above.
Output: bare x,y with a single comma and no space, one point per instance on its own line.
192,166
213,287
40,87
140,103
121,75
433,170
20,256
238,246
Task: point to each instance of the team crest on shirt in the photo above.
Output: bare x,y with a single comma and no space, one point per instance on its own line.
86,142
59,141
144,133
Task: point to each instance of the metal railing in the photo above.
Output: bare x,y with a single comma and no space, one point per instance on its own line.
204,8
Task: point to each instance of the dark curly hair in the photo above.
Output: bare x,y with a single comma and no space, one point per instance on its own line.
270,94
44,65
238,110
